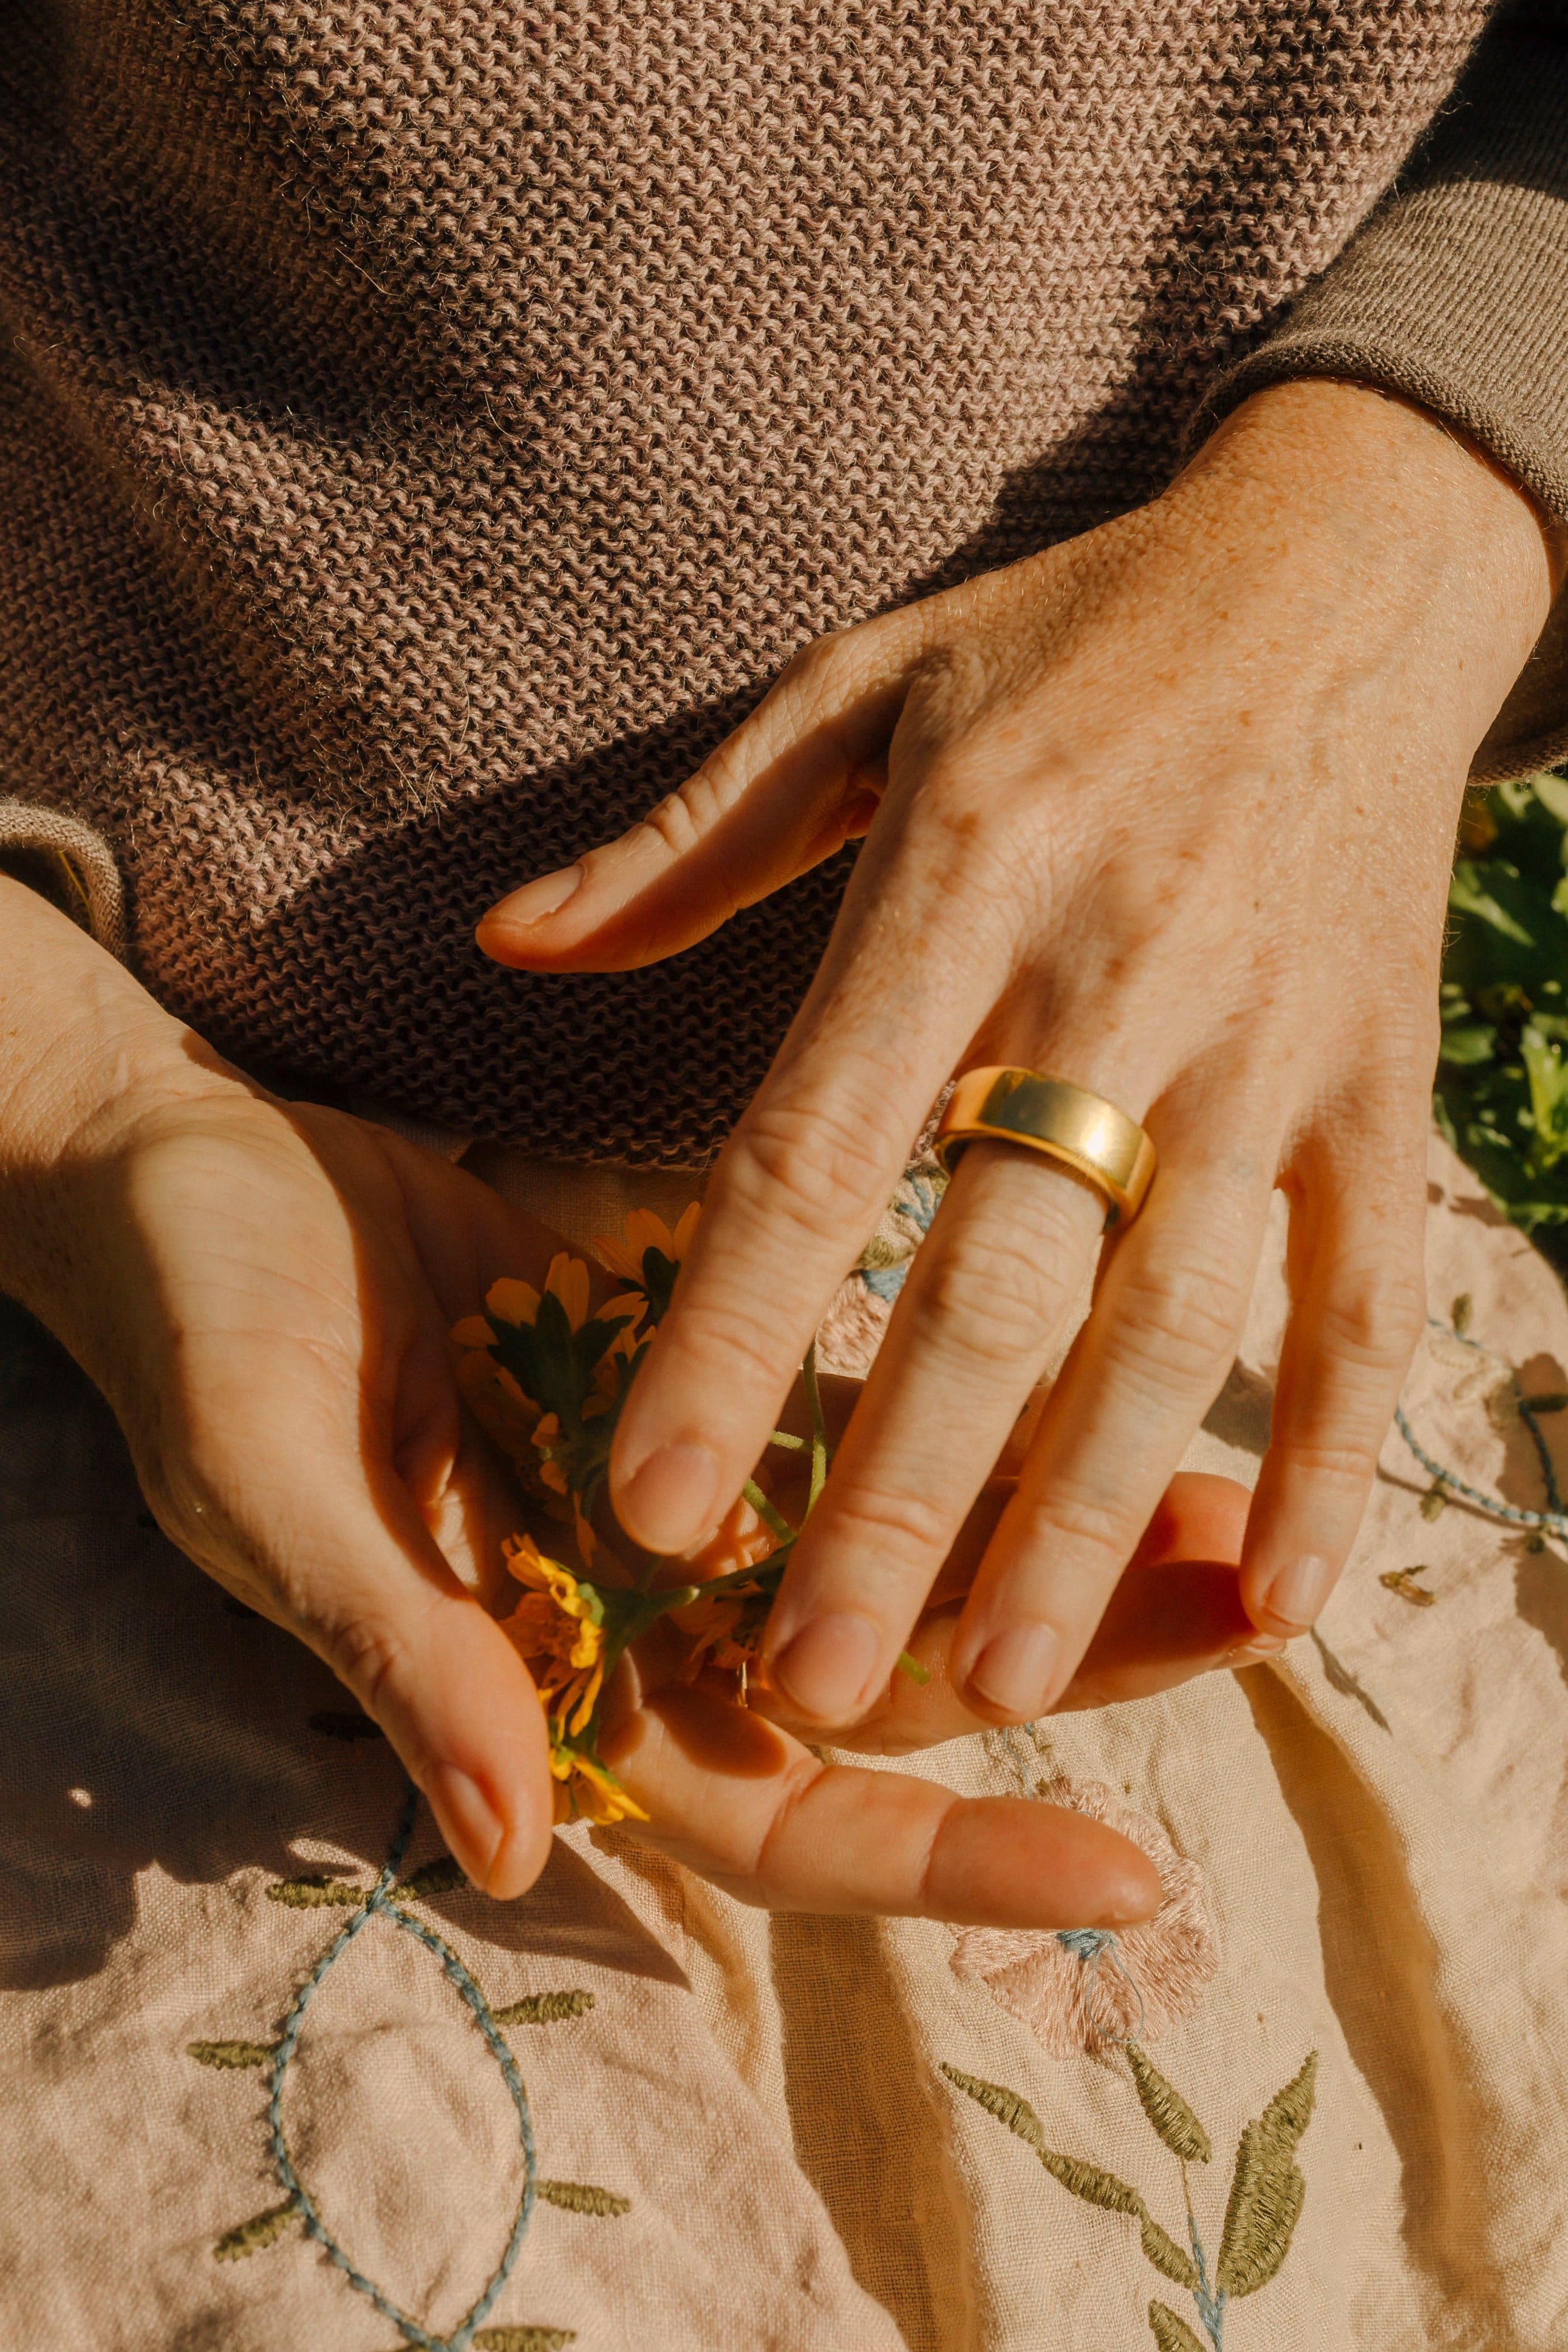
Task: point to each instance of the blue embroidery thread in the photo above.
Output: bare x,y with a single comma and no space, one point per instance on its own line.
390,1902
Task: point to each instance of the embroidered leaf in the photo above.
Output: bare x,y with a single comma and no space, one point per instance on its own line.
1173,2262
1095,2187
230,2053
1168,2112
1171,2334
581,2196
258,2231
524,2339
312,1893
544,2007
1006,2105
442,1877
342,1723
1083,2179
1268,2190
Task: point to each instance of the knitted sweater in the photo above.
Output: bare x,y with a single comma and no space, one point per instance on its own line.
426,428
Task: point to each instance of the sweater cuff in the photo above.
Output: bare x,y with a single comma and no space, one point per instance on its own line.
69,863
1456,293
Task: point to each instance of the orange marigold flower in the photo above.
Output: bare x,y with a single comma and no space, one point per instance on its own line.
644,1232
586,1790
556,1628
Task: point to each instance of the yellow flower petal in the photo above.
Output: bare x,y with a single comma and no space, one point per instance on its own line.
512,1302
473,1332
568,1278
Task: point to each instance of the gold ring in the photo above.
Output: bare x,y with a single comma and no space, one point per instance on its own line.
1065,1122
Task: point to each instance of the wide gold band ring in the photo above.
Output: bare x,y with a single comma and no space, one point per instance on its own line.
1065,1123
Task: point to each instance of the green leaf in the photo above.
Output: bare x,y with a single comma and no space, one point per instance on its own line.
1551,791
543,2008
583,2197
230,2053
1548,1095
1168,2111
260,2231
1468,895
1006,2105
1171,2334
442,1877
1095,2186
1173,2262
1266,2189
524,2339
1463,1048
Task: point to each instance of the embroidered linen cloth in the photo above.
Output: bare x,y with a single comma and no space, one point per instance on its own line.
799,2132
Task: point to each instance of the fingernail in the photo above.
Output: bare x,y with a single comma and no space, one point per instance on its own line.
537,900
1256,1647
1298,1591
469,1822
1014,1672
826,1669
672,1499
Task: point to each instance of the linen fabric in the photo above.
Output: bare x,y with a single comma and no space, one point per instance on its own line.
426,431
1365,1850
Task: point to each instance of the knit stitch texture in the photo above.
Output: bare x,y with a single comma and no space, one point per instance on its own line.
428,427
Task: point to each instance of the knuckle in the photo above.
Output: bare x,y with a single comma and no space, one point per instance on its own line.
1346,1463
813,1163
983,1300
1178,1324
1373,1319
898,1520
1070,1514
368,1653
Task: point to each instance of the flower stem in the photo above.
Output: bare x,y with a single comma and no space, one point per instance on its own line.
818,1428
776,1520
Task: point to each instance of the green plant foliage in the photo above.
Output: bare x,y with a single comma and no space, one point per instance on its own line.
1167,2110
1267,2190
1171,2334
1501,1095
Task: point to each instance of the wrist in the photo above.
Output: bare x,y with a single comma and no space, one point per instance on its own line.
86,1057
1397,543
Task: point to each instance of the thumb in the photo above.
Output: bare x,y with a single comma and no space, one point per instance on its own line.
800,777
347,1564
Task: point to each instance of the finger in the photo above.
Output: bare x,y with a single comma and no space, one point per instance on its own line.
1175,1613
1142,1372
738,1799
970,1337
810,1168
1359,1284
329,1542
800,777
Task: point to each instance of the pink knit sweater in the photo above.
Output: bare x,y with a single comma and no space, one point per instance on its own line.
425,428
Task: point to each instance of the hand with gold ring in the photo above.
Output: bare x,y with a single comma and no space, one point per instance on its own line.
1165,812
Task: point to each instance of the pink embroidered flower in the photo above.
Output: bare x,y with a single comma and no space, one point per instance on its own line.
1085,1988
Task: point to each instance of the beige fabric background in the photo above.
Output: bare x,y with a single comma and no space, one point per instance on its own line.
1379,1828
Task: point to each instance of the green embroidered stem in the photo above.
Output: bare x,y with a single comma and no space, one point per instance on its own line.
791,1444
912,1668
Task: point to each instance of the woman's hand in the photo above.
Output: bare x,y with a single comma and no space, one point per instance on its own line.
1167,810
264,1292
733,1795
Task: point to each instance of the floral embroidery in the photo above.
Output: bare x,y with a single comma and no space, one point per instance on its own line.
1482,1373
391,1901
1267,2190
1086,1988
